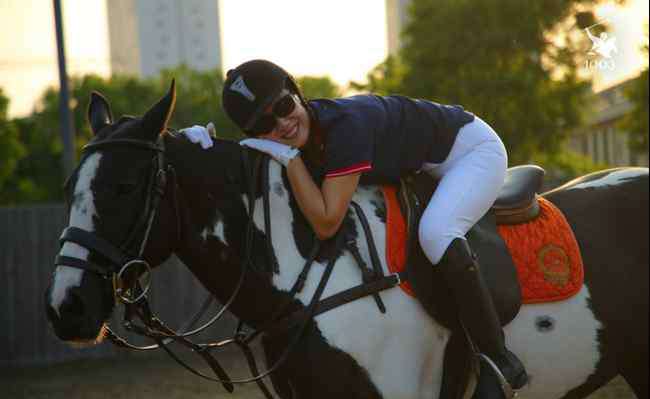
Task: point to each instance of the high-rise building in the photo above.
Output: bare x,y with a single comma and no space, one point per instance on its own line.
149,35
396,15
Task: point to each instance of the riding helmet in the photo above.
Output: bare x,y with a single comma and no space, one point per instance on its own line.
251,87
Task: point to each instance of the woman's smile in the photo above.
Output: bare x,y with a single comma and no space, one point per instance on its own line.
293,130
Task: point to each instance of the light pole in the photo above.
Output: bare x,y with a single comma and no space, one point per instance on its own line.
67,124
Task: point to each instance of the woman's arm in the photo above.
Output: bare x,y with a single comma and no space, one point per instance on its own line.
325,207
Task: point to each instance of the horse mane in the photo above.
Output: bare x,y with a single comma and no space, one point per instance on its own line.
224,154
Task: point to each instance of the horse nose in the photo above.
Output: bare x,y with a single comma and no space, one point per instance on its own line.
70,310
67,318
72,307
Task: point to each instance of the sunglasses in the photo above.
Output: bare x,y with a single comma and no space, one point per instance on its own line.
282,108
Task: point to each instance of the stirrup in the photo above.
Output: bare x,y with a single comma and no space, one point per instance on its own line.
506,388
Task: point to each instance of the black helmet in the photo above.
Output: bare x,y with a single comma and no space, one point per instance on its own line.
250,88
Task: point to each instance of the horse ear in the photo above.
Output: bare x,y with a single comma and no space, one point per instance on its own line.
156,119
99,112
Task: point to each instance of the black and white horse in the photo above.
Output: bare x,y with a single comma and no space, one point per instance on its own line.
353,351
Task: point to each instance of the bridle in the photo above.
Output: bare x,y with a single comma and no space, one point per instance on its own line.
124,263
123,259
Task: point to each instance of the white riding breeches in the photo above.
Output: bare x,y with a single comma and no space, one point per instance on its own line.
470,180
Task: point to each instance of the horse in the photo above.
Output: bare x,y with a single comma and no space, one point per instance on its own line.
353,351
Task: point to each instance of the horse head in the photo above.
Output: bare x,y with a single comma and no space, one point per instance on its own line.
118,209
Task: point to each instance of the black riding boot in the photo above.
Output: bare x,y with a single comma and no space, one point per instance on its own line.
460,269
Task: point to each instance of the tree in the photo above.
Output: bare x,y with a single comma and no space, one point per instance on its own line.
511,62
635,124
198,100
11,150
385,79
318,87
30,148
38,175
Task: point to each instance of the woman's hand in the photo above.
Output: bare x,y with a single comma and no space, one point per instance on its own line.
200,134
280,152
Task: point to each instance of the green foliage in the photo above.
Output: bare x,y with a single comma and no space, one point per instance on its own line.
11,149
566,165
38,175
318,87
198,100
635,124
513,63
31,149
385,79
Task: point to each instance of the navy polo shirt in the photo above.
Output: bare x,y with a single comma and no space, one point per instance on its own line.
385,137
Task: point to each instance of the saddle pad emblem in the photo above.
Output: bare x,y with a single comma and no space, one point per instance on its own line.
555,264
547,256
545,252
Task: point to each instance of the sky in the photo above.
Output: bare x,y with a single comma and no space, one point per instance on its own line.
28,58
340,38
629,28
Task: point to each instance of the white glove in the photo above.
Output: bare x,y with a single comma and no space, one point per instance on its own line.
280,152
200,134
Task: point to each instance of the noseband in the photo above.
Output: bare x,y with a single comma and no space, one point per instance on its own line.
123,259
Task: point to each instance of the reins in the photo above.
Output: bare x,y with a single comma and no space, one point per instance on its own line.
135,299
154,328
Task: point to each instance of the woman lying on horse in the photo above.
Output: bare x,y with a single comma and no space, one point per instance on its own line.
369,138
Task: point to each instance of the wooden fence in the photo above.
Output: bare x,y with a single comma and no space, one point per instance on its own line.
28,244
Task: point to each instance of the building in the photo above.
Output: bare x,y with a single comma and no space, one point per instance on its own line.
28,47
396,18
147,36
602,140
137,37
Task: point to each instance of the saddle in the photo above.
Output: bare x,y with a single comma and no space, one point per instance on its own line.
517,204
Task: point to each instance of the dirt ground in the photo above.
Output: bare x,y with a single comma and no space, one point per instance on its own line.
151,378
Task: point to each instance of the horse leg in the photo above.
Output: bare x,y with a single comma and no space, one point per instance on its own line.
281,385
633,363
280,378
636,375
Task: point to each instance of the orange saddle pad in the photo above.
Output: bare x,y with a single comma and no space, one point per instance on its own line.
545,251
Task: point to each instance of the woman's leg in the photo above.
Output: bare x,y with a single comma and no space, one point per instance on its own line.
470,181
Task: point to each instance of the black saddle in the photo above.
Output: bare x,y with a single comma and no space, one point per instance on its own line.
517,203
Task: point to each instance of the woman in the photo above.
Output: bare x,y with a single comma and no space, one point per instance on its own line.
378,139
